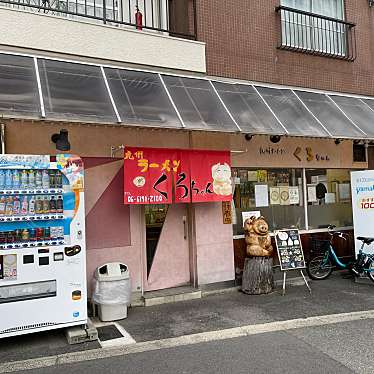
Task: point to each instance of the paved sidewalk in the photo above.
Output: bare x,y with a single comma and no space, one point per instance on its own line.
339,294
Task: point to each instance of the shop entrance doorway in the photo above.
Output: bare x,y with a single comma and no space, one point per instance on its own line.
167,262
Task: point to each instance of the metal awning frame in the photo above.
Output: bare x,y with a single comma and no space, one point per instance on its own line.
210,79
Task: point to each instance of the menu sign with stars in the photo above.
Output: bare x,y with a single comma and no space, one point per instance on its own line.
163,176
289,248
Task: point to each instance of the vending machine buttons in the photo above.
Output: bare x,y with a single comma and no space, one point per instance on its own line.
43,261
28,259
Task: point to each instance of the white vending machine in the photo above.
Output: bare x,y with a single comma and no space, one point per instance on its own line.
42,243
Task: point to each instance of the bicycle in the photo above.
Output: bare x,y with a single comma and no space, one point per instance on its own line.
320,266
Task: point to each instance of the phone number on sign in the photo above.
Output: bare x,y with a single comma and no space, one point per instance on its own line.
144,199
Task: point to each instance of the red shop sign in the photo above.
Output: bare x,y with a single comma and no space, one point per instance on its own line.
162,175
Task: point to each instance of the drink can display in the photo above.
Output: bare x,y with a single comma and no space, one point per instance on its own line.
2,237
25,235
10,237
40,233
60,232
47,233
18,236
32,235
53,233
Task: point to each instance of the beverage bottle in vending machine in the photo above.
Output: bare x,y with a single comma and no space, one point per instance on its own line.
32,205
2,205
2,179
16,179
39,205
24,206
53,204
38,179
16,206
24,179
45,179
8,179
52,178
9,206
32,183
46,205
58,179
60,204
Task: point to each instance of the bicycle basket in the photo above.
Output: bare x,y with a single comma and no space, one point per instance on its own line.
319,245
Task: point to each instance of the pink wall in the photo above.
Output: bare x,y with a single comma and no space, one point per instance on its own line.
113,230
214,243
130,255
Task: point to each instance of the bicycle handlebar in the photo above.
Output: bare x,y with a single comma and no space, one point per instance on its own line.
336,233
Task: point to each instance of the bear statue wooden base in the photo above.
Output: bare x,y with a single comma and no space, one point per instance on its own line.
258,276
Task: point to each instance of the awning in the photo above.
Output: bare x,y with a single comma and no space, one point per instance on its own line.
71,91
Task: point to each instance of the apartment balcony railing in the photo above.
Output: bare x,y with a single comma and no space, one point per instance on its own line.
171,17
316,34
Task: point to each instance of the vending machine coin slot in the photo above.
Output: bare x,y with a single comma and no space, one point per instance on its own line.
72,251
58,256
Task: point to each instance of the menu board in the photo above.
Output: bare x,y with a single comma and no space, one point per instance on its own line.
289,249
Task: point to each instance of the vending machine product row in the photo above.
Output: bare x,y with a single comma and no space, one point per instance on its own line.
42,243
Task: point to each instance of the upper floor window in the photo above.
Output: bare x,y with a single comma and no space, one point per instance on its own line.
316,26
328,8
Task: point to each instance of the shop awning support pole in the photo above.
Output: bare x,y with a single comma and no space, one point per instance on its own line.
2,136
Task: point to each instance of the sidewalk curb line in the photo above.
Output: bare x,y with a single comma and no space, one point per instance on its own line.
236,332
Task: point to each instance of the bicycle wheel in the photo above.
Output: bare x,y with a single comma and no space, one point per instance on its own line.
370,271
319,268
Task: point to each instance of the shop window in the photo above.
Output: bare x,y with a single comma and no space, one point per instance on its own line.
359,153
277,194
329,198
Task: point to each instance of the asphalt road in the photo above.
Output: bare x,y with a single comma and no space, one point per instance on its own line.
336,348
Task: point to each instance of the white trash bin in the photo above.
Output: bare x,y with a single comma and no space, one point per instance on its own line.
112,291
